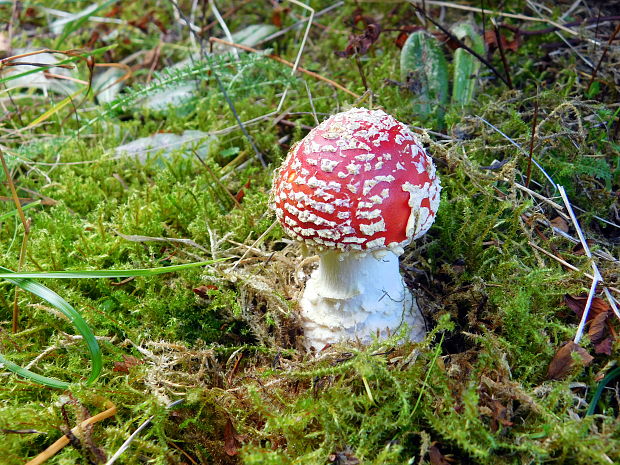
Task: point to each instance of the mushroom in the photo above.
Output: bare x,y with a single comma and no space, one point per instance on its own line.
357,189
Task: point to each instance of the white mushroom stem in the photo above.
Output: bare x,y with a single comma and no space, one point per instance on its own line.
356,296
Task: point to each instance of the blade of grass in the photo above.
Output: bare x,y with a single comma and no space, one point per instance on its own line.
108,273
76,320
56,108
599,389
4,216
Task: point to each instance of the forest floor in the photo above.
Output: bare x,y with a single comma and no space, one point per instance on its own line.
138,151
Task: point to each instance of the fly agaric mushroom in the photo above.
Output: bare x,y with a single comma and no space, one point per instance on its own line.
358,188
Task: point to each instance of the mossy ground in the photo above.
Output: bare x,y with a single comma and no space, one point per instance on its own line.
225,338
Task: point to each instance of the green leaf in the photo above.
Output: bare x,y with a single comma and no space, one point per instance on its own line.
466,65
423,67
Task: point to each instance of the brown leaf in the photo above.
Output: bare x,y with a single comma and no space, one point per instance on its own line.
560,223
203,291
276,15
578,303
231,445
436,457
598,326
563,361
579,250
490,38
129,361
604,347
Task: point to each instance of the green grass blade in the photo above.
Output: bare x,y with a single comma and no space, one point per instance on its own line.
56,108
4,216
599,389
108,273
76,320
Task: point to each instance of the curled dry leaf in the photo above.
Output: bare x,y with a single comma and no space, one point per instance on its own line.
563,362
359,44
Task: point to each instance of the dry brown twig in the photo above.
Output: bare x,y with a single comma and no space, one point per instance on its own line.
64,440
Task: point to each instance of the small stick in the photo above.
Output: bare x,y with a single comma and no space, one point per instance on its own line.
287,63
502,54
612,301
559,260
64,440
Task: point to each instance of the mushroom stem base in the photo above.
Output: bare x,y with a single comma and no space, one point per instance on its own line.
355,296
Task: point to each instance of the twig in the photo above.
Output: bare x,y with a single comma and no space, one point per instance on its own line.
559,260
64,440
612,301
287,63
495,128
557,206
502,55
281,32
222,24
26,224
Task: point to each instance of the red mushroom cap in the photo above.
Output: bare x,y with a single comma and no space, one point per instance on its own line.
358,181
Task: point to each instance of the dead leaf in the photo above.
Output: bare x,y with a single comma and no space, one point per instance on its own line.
129,361
563,362
490,38
560,223
604,347
598,327
231,445
404,34
579,250
360,44
578,303
203,291
436,457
